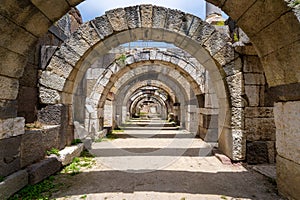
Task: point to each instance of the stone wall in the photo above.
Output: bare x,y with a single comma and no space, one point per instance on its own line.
287,117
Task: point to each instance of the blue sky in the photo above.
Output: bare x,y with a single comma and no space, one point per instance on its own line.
93,8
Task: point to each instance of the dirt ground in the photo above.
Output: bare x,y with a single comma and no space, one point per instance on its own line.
149,168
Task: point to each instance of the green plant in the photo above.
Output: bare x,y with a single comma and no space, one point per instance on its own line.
77,164
2,178
122,58
294,3
76,141
54,151
220,23
223,197
83,197
235,37
41,191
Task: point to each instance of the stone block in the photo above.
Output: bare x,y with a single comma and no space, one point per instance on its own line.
52,114
253,95
237,118
88,33
68,153
260,129
11,127
60,67
52,80
13,183
146,15
203,32
216,42
133,17
174,20
209,121
68,54
257,152
9,88
288,177
259,112
14,37
235,84
43,169
63,7
254,79
117,19
8,109
159,16
287,118
12,64
49,96
252,64
35,143
9,155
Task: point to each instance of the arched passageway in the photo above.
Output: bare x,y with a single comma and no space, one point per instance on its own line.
261,20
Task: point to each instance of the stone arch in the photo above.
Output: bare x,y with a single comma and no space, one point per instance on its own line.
97,99
181,95
146,22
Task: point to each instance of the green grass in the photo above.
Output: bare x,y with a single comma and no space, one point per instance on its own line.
2,178
41,191
77,164
220,23
54,151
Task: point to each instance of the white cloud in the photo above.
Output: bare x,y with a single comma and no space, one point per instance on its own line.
94,8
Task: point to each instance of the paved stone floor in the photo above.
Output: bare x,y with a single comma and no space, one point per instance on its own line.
163,165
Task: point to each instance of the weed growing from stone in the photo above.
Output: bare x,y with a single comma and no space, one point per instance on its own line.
2,178
109,136
54,151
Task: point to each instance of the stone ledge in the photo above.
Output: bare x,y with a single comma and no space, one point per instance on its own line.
68,153
13,183
41,170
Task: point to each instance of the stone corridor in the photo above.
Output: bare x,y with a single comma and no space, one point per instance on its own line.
163,164
207,85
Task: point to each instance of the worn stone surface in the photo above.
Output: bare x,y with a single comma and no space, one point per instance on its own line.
13,183
288,177
11,127
287,118
49,96
41,170
159,16
257,152
259,112
9,88
68,153
35,143
117,19
8,109
174,20
133,17
9,155
51,114
235,84
52,80
260,129
103,26
253,96
146,15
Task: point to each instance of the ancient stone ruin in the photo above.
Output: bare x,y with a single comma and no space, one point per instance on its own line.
232,83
